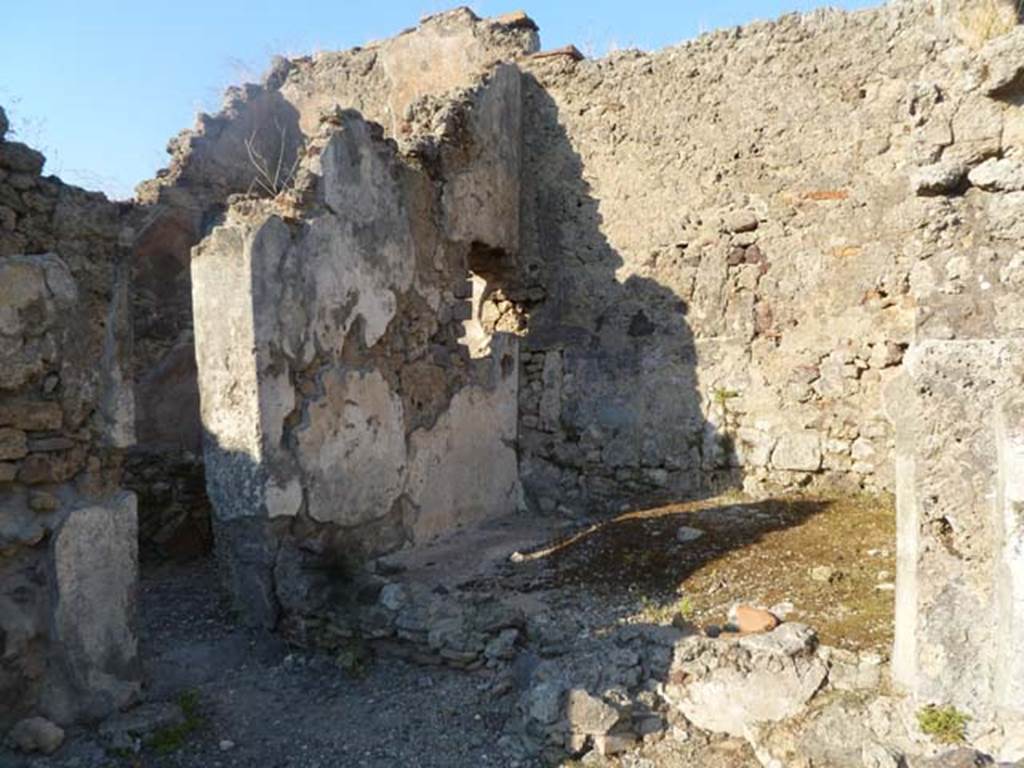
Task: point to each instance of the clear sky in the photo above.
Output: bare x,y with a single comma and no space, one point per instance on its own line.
101,85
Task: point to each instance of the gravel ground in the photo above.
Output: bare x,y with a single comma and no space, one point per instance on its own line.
283,708
254,701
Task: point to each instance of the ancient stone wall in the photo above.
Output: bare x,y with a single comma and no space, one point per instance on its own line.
720,229
395,82
376,411
737,241
956,403
67,530
720,256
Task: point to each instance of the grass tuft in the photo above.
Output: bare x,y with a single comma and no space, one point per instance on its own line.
982,20
168,740
946,725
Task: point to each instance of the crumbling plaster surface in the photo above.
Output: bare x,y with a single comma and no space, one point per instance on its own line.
396,83
339,390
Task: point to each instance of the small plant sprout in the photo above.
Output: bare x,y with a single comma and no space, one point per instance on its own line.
946,725
722,396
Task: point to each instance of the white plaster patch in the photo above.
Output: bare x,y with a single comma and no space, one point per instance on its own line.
284,500
464,469
225,338
353,448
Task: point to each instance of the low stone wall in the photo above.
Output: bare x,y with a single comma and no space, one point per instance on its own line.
67,532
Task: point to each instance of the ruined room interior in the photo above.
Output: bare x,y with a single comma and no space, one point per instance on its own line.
535,409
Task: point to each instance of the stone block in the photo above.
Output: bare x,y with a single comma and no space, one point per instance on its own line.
958,446
998,175
798,451
95,570
726,685
31,415
13,444
938,178
588,714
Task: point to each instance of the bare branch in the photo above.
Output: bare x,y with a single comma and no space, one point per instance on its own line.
271,182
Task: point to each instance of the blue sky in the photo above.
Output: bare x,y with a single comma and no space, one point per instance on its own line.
100,86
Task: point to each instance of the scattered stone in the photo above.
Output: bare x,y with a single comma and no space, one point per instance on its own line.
940,178
37,734
825,573
752,620
686,534
613,743
226,745
998,175
648,726
544,702
124,730
728,685
588,714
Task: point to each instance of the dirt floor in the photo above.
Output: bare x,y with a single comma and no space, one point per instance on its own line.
828,563
253,701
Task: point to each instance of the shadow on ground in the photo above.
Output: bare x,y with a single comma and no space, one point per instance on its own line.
831,562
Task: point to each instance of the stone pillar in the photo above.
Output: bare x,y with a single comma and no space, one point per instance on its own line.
1009,588
94,669
960,550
